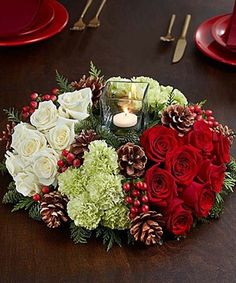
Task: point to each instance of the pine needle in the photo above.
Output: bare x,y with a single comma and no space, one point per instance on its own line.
79,234
94,71
12,115
3,169
63,83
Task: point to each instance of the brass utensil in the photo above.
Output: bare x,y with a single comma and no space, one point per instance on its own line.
94,23
80,25
169,37
182,42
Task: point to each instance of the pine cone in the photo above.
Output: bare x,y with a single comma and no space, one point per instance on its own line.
132,160
147,228
7,134
227,132
82,141
178,117
96,85
53,209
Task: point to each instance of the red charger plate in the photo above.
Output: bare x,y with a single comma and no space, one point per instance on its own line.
45,16
207,44
57,25
10,22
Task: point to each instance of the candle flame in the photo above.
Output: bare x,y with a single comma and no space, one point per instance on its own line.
126,111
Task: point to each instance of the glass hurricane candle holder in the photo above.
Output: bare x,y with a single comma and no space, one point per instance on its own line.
124,106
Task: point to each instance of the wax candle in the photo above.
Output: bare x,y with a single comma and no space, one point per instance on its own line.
125,119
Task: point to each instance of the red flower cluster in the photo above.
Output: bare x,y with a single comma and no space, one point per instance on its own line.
187,172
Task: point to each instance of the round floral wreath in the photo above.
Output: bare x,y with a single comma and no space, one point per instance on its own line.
144,187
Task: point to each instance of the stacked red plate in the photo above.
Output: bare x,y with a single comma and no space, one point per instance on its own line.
39,20
211,39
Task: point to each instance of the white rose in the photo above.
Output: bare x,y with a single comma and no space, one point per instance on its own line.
62,135
26,141
27,183
20,133
45,117
14,163
45,166
75,104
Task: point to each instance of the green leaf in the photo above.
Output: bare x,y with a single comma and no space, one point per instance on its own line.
171,98
34,211
94,71
109,236
3,168
12,196
11,186
130,238
63,83
12,115
24,203
79,234
203,102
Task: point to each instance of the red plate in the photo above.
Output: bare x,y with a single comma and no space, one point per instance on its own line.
10,21
60,20
218,31
207,44
45,16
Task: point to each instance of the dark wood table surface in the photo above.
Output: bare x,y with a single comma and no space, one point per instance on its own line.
126,44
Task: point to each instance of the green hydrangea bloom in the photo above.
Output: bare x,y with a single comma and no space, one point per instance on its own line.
179,97
100,158
105,190
84,212
116,217
71,182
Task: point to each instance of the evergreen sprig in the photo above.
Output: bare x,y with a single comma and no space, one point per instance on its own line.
12,197
79,234
34,211
12,115
94,71
109,236
131,136
170,99
24,203
63,83
3,168
202,103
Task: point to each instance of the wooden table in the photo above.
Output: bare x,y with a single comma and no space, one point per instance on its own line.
126,44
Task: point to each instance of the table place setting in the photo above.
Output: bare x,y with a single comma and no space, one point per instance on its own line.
29,21
216,38
80,25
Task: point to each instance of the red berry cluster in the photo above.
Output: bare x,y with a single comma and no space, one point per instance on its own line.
67,159
35,99
201,114
44,190
136,197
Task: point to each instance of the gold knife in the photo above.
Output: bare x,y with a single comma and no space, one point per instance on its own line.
182,42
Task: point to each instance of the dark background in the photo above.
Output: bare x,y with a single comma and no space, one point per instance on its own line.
127,44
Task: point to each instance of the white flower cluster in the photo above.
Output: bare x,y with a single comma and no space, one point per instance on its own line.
36,146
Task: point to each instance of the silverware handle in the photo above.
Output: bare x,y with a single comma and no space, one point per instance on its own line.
186,25
172,20
100,8
89,2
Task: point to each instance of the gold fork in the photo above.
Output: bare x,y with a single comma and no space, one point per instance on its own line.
94,23
80,24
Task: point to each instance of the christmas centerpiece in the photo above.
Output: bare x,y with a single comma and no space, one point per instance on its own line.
119,159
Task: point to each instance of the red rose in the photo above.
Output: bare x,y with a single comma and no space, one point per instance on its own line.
200,198
221,148
183,164
213,174
201,137
179,220
157,141
161,187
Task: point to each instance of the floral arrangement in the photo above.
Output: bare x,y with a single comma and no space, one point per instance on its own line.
148,186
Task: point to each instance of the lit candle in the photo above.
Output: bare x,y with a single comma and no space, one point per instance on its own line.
125,119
